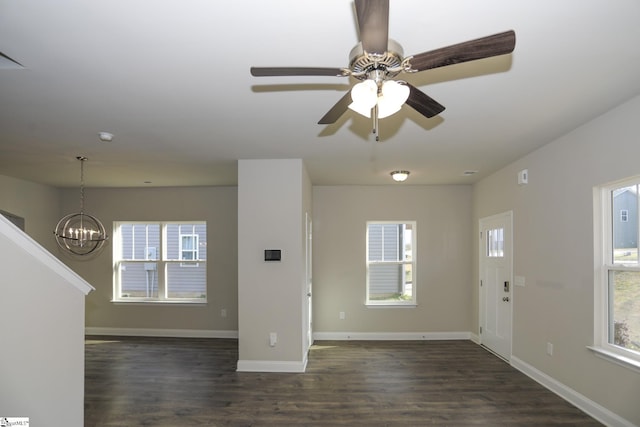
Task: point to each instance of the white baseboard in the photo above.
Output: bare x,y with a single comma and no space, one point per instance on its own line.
271,366
390,336
149,332
474,338
587,405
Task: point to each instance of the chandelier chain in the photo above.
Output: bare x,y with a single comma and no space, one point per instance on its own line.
82,160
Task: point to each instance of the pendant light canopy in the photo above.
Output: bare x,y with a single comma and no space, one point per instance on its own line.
80,233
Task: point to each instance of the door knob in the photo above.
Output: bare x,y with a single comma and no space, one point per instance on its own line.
506,299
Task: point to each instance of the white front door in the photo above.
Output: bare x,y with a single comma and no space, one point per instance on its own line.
496,292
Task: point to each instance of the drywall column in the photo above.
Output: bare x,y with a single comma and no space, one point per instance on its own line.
42,304
272,199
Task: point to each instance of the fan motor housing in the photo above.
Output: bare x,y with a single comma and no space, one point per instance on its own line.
362,63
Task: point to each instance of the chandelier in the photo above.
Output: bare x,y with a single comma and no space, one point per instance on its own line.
80,233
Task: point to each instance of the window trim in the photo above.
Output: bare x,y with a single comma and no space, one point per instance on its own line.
162,262
391,303
603,264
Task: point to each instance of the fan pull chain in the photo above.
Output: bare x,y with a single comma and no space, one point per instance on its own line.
374,115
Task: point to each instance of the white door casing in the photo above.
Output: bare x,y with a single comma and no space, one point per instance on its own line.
309,280
496,290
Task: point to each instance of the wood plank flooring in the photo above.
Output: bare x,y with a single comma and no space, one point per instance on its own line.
192,382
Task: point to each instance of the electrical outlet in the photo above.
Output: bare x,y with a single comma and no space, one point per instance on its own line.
223,312
550,349
273,339
342,315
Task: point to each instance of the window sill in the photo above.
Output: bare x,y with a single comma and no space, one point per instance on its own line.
390,305
618,359
151,302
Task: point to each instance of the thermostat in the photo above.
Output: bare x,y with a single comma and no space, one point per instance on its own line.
272,255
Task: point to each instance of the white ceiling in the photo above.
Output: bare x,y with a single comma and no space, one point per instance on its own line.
170,78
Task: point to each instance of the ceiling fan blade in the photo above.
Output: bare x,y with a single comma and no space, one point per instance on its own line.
296,71
373,23
423,103
485,47
337,110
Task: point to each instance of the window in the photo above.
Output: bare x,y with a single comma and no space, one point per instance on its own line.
495,243
618,282
160,262
624,215
391,270
188,244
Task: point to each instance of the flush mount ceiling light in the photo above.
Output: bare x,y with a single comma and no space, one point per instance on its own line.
80,233
105,136
400,176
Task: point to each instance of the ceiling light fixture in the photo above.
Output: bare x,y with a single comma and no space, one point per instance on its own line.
105,136
400,176
80,233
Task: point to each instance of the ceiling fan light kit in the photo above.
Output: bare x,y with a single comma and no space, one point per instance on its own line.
364,96
393,96
389,98
377,60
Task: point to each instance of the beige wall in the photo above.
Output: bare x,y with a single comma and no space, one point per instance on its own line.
216,205
553,251
444,285
38,204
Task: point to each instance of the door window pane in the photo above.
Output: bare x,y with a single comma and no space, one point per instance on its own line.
495,243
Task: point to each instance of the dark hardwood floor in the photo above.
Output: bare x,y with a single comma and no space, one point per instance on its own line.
193,382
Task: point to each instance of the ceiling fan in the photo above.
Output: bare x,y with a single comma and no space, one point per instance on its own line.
377,60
